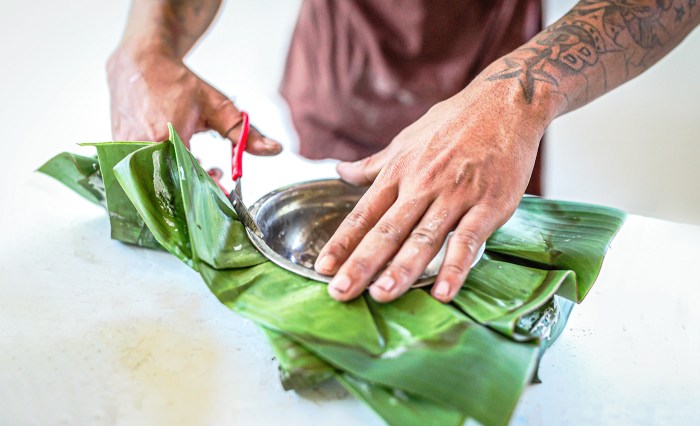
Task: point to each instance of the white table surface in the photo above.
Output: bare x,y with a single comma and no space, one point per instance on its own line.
93,331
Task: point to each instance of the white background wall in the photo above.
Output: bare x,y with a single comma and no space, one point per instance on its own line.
636,148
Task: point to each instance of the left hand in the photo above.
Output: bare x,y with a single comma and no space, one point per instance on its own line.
464,165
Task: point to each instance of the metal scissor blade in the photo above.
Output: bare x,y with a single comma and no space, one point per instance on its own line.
243,212
237,188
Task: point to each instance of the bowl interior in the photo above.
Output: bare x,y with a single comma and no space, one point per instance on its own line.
297,221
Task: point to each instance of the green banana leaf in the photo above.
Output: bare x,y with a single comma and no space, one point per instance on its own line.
125,223
559,235
400,408
79,173
414,361
499,293
299,369
184,209
93,178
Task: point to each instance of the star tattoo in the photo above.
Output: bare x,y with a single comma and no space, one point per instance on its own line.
527,71
680,13
691,4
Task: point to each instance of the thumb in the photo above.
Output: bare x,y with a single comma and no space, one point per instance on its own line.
222,116
363,172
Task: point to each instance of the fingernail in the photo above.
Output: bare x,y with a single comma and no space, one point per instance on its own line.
442,289
386,283
272,147
341,283
326,264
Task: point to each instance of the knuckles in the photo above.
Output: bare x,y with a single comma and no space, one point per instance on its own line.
466,239
336,249
455,269
390,172
388,231
358,266
424,238
400,271
358,219
156,134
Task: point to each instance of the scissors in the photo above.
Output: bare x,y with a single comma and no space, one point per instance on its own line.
237,173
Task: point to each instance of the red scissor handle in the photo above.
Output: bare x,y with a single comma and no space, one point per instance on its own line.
237,151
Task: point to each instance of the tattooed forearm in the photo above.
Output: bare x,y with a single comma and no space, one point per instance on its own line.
175,23
597,46
189,19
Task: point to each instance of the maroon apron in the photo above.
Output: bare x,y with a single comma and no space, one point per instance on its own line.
359,71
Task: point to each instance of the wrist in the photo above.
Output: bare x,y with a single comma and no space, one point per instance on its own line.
144,45
139,52
533,92
501,103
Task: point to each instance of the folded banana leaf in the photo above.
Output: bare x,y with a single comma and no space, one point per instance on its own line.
400,408
79,173
414,361
299,368
559,235
499,294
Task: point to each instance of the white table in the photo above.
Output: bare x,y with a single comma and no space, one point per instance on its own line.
93,331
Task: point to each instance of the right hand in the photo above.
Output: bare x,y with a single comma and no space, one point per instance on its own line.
150,87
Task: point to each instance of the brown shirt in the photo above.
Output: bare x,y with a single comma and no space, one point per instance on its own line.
359,71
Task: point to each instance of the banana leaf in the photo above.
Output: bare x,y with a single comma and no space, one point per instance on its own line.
79,173
499,294
183,207
400,408
559,235
414,361
299,369
125,223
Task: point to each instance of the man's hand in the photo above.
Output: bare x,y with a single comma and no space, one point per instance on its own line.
150,87
464,165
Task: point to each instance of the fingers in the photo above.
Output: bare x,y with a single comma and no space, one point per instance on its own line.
473,230
363,172
257,143
417,251
376,249
363,217
222,116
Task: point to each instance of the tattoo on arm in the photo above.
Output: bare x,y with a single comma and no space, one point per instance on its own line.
187,20
603,43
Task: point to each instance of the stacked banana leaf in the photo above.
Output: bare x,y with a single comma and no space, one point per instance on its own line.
414,361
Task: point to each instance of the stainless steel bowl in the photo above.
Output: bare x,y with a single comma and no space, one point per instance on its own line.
297,220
